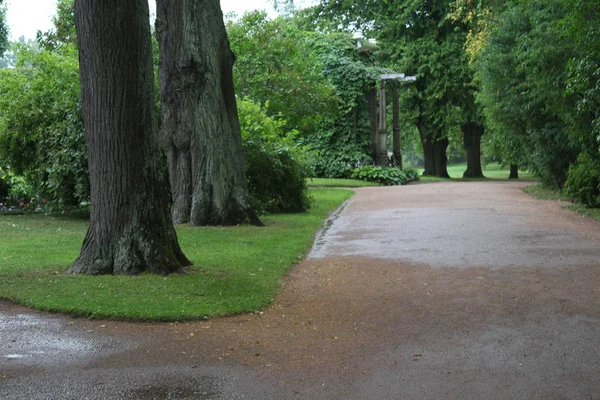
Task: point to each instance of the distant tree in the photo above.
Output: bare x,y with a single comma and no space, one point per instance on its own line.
276,64
201,130
130,230
420,40
64,30
3,29
522,74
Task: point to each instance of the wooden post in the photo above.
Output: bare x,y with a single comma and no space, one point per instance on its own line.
373,119
396,128
382,157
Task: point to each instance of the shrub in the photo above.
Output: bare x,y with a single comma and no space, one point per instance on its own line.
583,181
385,175
337,160
274,164
41,129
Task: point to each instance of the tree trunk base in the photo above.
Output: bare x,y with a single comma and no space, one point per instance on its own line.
473,174
472,133
514,172
132,253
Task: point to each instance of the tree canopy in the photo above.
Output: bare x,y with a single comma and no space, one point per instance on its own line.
3,29
525,73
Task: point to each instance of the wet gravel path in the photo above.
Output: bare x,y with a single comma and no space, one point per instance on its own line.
440,291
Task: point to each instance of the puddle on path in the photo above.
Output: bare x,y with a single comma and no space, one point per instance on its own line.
41,340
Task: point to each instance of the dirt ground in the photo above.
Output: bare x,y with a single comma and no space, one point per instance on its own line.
459,290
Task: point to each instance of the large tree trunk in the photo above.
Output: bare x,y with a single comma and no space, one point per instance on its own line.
201,130
514,171
130,229
441,160
428,150
472,133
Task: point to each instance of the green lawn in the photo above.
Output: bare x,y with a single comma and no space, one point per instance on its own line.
490,171
330,182
236,269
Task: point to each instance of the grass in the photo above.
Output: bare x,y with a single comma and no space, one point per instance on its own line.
330,182
538,190
544,193
588,212
493,171
236,269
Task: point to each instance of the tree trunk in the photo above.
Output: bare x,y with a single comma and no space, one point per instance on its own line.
472,133
514,171
396,128
428,150
441,160
201,130
130,229
373,120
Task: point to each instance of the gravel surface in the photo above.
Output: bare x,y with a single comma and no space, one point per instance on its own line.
453,290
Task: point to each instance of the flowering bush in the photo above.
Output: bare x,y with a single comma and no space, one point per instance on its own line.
21,206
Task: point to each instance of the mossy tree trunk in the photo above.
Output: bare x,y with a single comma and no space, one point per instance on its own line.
130,228
201,131
472,133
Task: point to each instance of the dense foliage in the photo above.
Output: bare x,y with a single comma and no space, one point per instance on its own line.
275,65
522,73
275,166
41,131
316,82
537,67
387,176
527,70
3,29
64,31
342,143
43,142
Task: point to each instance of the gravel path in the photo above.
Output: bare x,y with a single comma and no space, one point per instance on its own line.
459,290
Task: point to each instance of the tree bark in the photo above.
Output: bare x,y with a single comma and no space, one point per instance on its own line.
441,160
372,94
514,171
472,133
201,131
428,149
130,228
396,128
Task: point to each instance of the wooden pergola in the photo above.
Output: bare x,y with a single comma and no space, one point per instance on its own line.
379,120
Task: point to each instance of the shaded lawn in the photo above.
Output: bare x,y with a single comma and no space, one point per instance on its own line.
236,269
339,182
543,193
491,171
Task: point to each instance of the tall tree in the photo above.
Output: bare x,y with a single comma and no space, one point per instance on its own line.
130,229
64,27
522,75
3,29
276,64
200,132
